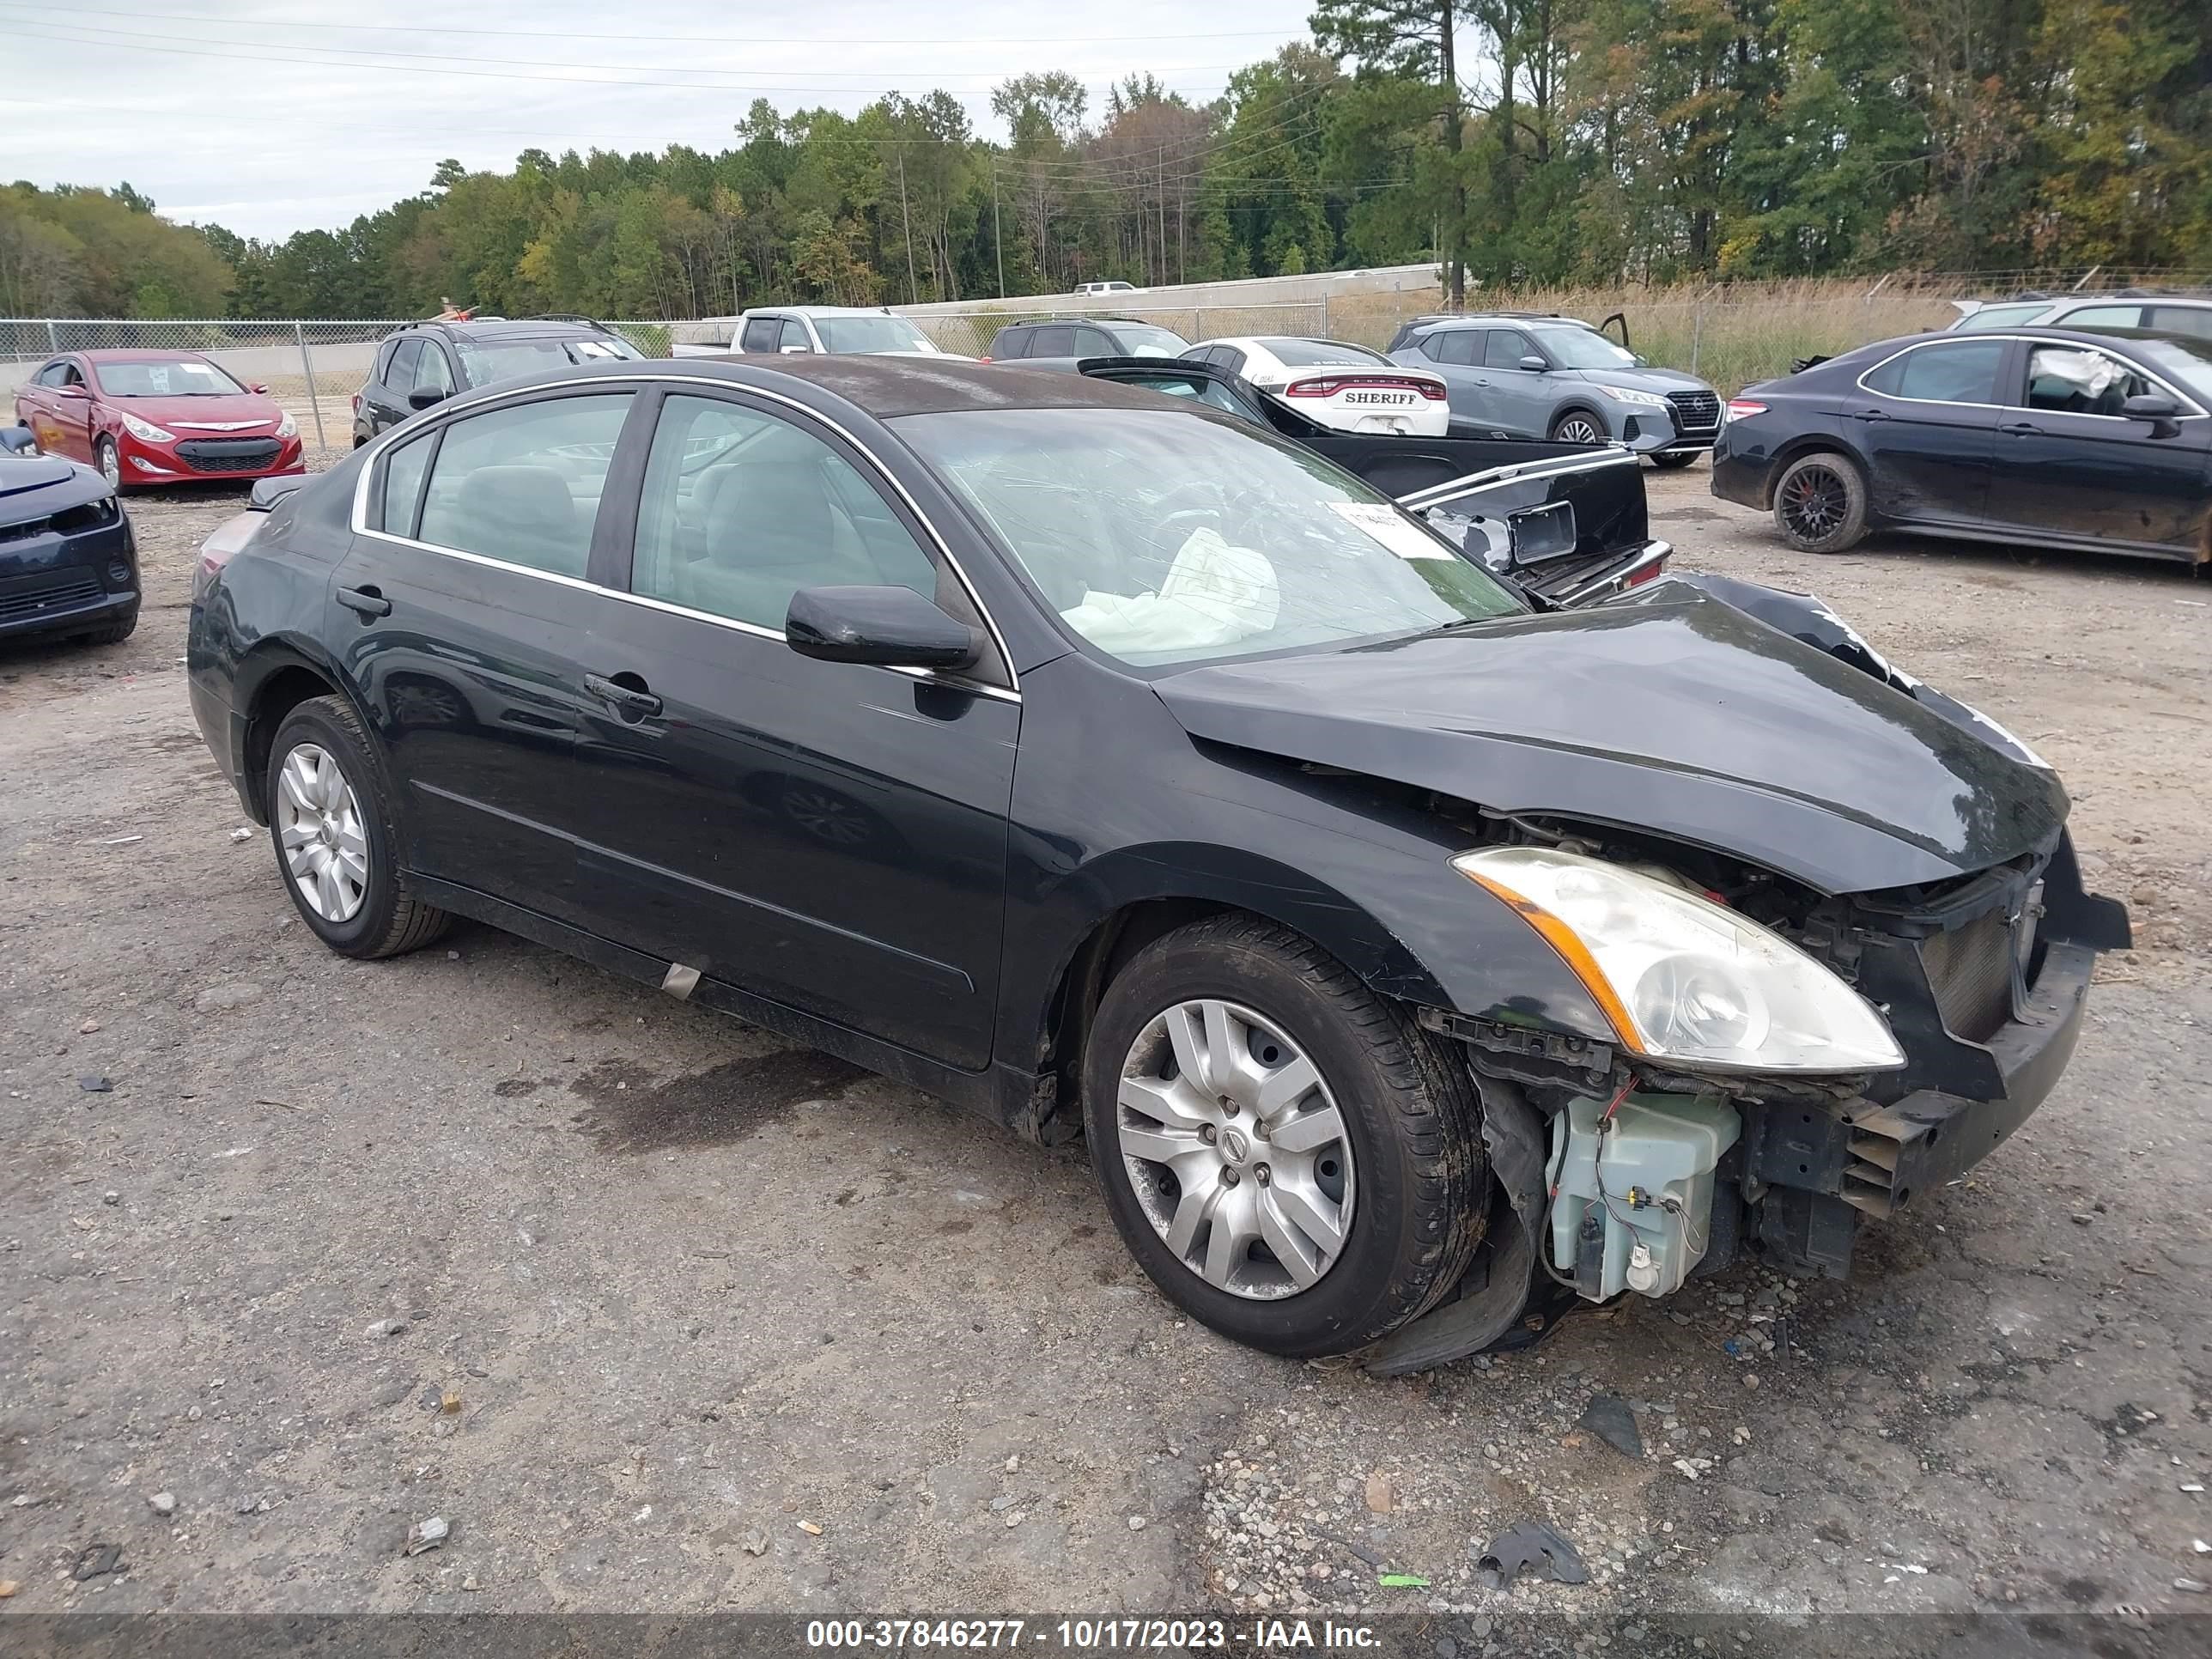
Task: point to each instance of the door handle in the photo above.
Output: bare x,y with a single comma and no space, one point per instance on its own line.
1869,415
367,600
630,699
2021,428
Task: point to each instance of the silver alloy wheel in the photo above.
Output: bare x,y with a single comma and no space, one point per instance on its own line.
1236,1149
319,827
1578,429
111,464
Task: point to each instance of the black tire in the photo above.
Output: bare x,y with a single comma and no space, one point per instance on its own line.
112,633
1409,1110
110,464
1673,460
1820,503
392,920
1568,417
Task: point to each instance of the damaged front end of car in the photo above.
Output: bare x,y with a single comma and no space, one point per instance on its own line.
1698,1138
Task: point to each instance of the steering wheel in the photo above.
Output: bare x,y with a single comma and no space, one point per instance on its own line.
1208,505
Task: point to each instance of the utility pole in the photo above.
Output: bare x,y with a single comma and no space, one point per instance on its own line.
998,234
1454,141
1163,216
913,293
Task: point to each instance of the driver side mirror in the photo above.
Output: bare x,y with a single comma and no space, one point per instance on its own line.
793,351
2157,408
423,396
1534,364
889,627
18,439
258,387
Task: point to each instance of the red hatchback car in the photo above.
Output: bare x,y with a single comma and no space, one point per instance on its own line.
151,417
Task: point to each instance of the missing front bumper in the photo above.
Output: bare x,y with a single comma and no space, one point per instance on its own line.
1833,1163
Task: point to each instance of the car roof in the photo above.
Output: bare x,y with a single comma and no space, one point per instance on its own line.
503,328
884,387
818,311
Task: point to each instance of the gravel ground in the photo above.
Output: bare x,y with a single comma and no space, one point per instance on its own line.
659,1314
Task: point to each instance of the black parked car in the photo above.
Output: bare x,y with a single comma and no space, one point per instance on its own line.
2052,437
1114,767
1061,341
69,565
426,363
1563,521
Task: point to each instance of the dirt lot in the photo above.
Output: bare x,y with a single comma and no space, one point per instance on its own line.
730,1327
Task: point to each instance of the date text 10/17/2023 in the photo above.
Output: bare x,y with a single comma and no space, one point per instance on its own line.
1092,1635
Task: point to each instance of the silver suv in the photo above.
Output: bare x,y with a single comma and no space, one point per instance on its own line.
1531,376
2162,313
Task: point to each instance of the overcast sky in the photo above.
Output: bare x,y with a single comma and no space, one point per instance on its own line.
191,101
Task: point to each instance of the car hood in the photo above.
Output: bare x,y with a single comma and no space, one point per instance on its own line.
34,486
1688,720
247,406
1660,380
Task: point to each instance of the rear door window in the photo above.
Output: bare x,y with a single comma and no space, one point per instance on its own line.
403,484
2102,317
1958,371
521,484
1054,340
1230,358
761,334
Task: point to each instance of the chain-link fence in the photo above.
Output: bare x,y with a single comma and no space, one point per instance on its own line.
311,367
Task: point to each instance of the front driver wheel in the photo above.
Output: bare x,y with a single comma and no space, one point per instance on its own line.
1820,503
1287,1156
110,462
1669,460
1576,428
329,819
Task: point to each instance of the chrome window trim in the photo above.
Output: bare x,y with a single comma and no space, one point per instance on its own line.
373,459
2196,411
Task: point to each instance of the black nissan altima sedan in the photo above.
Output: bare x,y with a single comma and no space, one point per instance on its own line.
2059,438
1116,769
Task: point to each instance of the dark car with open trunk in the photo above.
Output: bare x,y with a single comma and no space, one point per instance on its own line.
1120,770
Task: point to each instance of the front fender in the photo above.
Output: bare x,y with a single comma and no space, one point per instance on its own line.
1362,869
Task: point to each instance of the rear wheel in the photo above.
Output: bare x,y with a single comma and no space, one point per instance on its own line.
1290,1159
330,822
1820,503
1577,426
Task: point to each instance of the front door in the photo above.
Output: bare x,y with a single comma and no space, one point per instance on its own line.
1927,420
2068,461
1521,397
829,836
464,615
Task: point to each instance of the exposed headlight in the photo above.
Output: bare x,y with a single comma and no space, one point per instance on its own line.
1642,399
1684,979
146,431
288,428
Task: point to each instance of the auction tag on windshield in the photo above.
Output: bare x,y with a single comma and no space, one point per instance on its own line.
1390,527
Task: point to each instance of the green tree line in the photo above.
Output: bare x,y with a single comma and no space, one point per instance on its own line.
1513,141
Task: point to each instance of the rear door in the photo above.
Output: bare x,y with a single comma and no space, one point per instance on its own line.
2067,460
829,836
1457,355
1927,420
463,617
